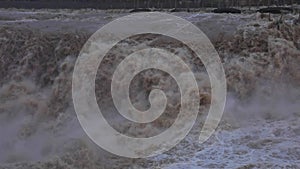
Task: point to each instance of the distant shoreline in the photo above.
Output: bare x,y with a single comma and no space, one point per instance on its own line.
101,5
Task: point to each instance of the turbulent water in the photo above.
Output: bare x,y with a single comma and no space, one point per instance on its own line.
260,127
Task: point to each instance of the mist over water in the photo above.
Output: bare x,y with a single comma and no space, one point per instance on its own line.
39,128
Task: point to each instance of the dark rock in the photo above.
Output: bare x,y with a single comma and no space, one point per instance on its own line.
140,10
174,10
226,10
179,10
275,10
